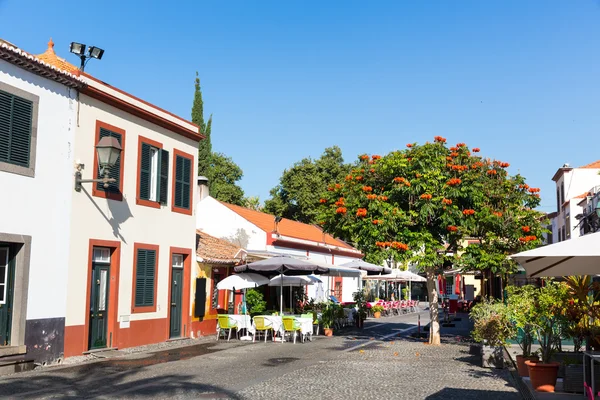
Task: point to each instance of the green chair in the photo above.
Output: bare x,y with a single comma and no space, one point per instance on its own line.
226,324
290,325
259,326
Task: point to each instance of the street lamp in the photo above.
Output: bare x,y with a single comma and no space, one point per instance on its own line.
108,150
79,50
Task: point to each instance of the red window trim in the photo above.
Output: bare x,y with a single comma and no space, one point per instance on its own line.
173,207
145,309
102,193
153,143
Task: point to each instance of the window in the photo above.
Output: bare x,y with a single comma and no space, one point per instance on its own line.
144,283
562,193
3,273
115,190
153,175
568,226
564,233
557,200
559,235
337,290
182,182
18,130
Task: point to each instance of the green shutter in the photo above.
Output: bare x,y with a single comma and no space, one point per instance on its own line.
16,115
163,187
140,277
150,276
178,200
145,274
183,176
187,172
145,172
115,171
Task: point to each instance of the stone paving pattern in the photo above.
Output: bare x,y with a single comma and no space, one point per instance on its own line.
370,364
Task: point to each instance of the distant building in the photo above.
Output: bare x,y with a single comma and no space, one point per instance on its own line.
572,184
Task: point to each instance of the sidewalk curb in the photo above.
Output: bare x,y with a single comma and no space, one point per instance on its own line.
522,387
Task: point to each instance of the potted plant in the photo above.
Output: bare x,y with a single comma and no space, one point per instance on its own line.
255,302
520,305
546,326
492,328
328,318
361,308
377,310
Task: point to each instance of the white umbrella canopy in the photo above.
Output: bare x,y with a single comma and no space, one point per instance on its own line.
295,280
578,256
372,269
242,281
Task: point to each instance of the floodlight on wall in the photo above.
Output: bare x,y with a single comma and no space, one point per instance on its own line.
79,50
108,150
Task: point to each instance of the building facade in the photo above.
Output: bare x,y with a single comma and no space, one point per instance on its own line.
256,231
37,141
570,184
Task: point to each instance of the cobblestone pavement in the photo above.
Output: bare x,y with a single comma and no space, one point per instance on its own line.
378,361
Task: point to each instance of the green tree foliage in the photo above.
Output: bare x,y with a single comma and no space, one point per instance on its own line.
205,146
255,301
253,202
297,195
421,203
224,175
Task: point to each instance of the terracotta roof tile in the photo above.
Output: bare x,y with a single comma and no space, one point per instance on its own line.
287,227
216,251
595,164
50,57
582,196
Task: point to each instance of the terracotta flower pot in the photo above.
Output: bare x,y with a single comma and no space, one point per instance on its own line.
377,314
543,376
328,331
521,367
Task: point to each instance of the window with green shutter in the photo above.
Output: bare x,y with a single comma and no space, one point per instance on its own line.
154,173
183,177
145,275
115,170
16,121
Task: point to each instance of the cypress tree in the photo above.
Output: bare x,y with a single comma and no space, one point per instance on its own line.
204,147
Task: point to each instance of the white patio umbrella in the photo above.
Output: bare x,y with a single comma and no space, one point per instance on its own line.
242,281
578,256
293,281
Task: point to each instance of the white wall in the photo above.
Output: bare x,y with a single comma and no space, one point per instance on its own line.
40,206
124,221
576,182
220,221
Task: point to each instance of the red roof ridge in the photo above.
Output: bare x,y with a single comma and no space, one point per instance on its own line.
582,196
595,164
287,227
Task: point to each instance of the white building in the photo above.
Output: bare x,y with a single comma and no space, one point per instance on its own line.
37,133
133,242
571,186
258,232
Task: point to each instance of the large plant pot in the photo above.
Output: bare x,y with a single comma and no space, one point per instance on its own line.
328,331
521,367
377,314
492,357
563,356
542,376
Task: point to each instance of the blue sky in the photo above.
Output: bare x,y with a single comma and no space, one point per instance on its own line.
285,79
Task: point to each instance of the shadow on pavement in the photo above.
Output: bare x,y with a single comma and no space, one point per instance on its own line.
475,394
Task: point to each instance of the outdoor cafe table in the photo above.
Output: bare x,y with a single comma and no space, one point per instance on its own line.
274,321
242,322
306,326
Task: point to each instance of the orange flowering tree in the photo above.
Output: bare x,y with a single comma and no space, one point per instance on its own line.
419,205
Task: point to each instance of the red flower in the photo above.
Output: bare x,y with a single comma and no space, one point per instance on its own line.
528,238
340,202
425,196
453,148
376,157
361,212
349,177
439,139
447,201
359,178
492,172
526,229
399,179
417,175
371,196
534,190
341,210
460,145
367,189
476,149
497,213
454,154
322,201
364,157
452,228
468,212
399,246
372,170
376,221
409,145
454,182
383,198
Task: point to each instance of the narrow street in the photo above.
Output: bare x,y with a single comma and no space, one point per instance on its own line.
379,361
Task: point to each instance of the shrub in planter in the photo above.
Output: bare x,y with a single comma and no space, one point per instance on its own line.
520,305
492,328
328,318
377,310
361,307
546,325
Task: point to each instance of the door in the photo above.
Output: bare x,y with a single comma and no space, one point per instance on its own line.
176,292
99,297
7,272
